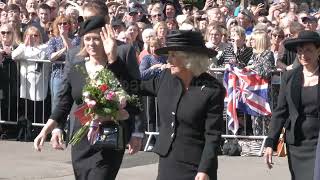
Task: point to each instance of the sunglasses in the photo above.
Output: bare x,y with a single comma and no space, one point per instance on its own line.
63,23
33,14
234,23
156,15
53,8
133,13
33,35
5,32
278,35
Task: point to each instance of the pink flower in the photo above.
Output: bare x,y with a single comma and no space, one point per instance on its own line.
110,95
91,103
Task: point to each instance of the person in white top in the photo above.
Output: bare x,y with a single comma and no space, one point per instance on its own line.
34,75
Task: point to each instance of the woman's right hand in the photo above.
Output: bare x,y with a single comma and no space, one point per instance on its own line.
268,157
27,41
39,140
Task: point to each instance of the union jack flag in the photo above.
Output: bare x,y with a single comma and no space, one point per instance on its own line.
247,92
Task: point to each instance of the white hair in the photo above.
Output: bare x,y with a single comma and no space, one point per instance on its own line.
195,62
187,27
148,32
71,9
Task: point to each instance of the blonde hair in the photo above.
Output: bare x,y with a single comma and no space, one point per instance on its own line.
239,30
153,42
158,25
15,37
33,29
262,41
210,28
195,62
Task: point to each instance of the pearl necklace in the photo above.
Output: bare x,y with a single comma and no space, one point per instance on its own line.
313,73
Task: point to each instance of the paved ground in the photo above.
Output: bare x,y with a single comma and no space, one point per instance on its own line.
18,161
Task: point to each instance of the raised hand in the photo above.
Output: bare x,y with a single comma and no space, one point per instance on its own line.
27,41
109,43
259,8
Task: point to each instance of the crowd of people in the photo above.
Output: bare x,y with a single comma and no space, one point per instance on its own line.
254,37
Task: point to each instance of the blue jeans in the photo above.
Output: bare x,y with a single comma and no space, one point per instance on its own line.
55,86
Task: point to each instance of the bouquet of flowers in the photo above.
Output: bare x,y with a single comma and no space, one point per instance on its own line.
104,100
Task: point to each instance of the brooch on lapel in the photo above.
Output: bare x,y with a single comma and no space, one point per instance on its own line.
202,87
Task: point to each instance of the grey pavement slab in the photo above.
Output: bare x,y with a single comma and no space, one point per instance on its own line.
18,160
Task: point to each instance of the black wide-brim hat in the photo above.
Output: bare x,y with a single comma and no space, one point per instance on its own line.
90,24
305,36
185,40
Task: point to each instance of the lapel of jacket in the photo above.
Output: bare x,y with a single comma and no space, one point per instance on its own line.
177,93
295,87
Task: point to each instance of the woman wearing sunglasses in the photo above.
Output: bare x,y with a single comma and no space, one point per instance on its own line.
8,71
58,45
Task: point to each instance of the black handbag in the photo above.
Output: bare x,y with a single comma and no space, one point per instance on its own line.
111,136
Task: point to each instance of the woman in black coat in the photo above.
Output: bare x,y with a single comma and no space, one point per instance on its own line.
298,108
89,163
190,104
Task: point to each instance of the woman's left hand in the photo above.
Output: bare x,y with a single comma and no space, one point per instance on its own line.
134,145
201,176
109,43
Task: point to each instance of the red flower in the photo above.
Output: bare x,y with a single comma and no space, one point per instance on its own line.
104,87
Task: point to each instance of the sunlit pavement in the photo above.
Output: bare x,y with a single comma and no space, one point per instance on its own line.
18,160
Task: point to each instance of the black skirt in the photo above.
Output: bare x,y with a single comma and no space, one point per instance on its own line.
301,160
94,164
89,163
171,169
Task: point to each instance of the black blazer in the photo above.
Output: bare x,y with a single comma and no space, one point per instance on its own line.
70,97
126,53
286,113
190,121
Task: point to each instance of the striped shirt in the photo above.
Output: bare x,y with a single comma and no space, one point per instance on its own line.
241,58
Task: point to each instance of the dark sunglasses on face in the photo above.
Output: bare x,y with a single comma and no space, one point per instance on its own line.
156,15
5,32
63,23
33,14
133,13
234,23
33,35
278,35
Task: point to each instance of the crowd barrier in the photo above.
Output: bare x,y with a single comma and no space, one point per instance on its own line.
218,73
22,90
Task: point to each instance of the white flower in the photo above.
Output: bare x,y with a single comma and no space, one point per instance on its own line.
99,82
123,101
86,94
86,100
